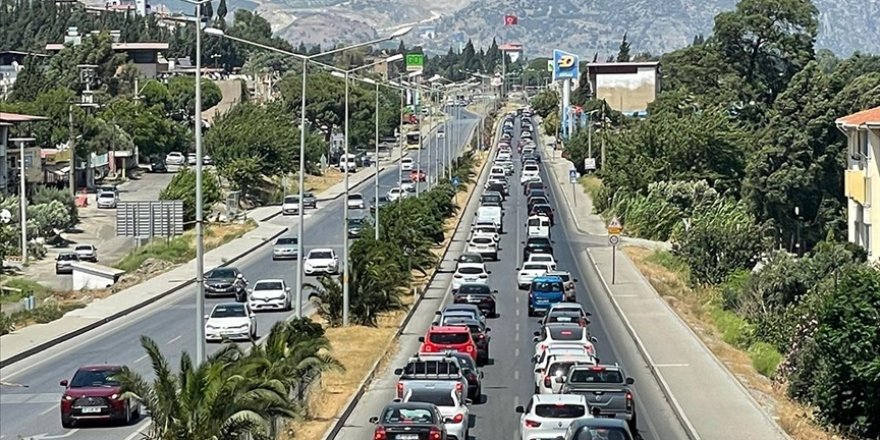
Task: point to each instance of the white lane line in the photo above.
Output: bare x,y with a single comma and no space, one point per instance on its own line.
516,353
48,410
517,312
141,358
517,327
515,374
175,339
671,365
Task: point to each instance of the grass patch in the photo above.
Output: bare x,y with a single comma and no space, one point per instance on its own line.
734,330
26,287
765,358
592,185
42,314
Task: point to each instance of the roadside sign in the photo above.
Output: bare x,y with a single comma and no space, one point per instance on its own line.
549,65
614,226
573,175
415,62
590,163
613,240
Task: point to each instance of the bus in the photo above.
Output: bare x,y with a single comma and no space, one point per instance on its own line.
413,139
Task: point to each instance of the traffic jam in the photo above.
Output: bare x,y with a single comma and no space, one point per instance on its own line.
575,396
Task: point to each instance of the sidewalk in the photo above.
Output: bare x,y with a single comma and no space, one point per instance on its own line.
33,339
707,398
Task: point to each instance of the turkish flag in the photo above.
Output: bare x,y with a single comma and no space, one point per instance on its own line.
510,20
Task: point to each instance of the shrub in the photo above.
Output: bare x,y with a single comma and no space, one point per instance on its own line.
7,325
765,358
183,187
47,194
734,330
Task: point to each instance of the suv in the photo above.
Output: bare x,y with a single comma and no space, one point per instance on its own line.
479,333
549,415
94,393
86,252
64,262
430,367
606,387
442,338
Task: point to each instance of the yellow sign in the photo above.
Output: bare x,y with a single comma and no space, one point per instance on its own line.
614,226
566,61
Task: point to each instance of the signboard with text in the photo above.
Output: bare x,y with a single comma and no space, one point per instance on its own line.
565,65
415,62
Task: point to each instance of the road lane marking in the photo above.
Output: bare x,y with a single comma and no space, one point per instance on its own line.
671,365
517,327
516,337
517,312
138,432
141,358
175,339
515,374
516,352
48,410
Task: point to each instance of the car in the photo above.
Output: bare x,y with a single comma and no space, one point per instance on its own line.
94,393
530,173
534,201
321,261
106,199
466,310
444,366
485,231
498,186
565,335
607,387
537,192
479,295
356,225
469,258
545,291
285,249
64,262
226,281
479,332
487,247
544,210
157,165
538,226
473,273
441,133
497,172
549,415
570,288
537,245
551,371
542,258
378,204
207,160
271,294
491,198
86,252
290,205
406,164
191,159
567,309
231,321
441,338
417,175
597,428
408,185
531,186
444,396
395,193
356,201
409,421
530,271
175,158
472,374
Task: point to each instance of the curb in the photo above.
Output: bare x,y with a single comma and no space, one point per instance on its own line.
70,335
355,399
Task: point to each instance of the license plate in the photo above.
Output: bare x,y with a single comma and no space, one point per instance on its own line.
91,409
407,437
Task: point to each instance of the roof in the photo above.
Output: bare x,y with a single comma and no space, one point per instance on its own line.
600,422
547,277
448,329
560,398
471,265
99,367
16,118
630,64
119,46
869,117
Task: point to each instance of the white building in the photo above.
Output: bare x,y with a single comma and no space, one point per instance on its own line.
862,179
626,87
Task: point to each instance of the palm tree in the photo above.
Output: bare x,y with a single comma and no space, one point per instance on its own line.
210,401
327,298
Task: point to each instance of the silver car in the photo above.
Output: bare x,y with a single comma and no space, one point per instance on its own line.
106,199
86,252
285,248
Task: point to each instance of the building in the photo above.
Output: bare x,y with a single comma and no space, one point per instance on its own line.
144,56
626,87
513,50
10,155
862,179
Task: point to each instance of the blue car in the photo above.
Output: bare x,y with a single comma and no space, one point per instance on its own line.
544,292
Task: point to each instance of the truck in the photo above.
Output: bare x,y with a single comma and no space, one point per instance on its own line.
435,367
607,389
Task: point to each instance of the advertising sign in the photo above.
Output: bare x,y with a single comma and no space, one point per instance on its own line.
565,65
415,62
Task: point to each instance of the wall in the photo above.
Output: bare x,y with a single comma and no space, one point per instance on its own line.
628,91
863,179
4,173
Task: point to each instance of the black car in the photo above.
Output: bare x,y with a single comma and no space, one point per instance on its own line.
531,186
157,165
537,193
380,203
543,209
474,376
497,187
226,281
535,201
356,226
409,420
491,198
480,334
537,245
479,295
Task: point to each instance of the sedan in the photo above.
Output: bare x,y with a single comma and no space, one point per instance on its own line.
477,294
269,295
232,321
321,261
87,252
471,273
285,248
356,201
175,158
64,262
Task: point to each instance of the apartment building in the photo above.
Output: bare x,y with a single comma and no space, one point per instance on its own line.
862,179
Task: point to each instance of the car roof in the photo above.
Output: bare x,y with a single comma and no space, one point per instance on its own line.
600,422
560,398
321,250
474,265
448,329
420,405
453,306
567,305
99,367
546,278
557,273
270,280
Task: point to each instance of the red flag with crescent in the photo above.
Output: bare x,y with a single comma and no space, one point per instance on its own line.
510,20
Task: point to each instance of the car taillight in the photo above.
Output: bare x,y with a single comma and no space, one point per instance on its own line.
469,348
532,424
629,401
435,434
399,390
459,387
547,382
379,434
458,418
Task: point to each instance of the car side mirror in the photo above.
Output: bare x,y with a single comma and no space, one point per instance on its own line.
207,316
517,268
630,381
398,371
495,291
63,383
421,339
287,289
374,420
489,272
539,370
520,409
553,241
522,242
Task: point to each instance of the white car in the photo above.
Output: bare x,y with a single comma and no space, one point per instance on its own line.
321,261
191,159
562,336
395,193
538,226
356,201
548,416
470,273
106,199
269,295
443,394
497,172
530,173
550,374
485,231
530,271
542,258
485,246
408,187
175,158
290,205
233,321
406,164
503,156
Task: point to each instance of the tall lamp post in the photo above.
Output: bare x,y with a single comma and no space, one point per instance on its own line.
302,136
22,195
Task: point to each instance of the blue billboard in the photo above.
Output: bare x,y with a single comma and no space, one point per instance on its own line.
565,65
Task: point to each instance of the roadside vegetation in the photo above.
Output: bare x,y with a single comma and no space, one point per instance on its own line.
746,182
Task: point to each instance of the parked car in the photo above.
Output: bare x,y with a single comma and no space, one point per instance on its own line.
106,200
86,252
64,262
175,158
95,394
232,321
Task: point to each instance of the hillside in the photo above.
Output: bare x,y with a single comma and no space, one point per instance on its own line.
582,26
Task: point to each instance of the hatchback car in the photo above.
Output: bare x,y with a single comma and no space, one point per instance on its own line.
269,295
95,394
406,164
479,295
471,273
232,321
321,261
106,200
443,394
64,262
226,281
548,416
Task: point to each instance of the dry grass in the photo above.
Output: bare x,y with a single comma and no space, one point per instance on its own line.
318,184
692,305
356,346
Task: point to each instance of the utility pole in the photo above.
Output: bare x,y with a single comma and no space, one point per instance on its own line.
604,125
71,172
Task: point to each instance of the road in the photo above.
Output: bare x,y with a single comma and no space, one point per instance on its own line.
509,376
31,412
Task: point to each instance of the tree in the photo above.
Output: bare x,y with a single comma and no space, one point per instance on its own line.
546,103
183,187
182,91
327,298
623,55
30,82
222,11
215,399
154,134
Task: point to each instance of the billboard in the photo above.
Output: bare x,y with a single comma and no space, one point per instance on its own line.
565,65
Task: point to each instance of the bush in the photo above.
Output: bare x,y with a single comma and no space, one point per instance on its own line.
7,325
734,330
765,358
175,250
47,194
183,187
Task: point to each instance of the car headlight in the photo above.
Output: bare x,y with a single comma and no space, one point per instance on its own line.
114,396
66,397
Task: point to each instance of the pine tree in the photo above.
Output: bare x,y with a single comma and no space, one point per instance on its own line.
623,55
221,11
698,40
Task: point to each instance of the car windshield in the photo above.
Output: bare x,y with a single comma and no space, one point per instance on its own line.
222,273
67,257
268,285
229,311
609,433
482,240
355,221
470,258
443,338
83,248
535,266
287,240
474,288
470,270
291,199
560,368
355,197
321,255
566,333
547,286
560,411
106,195
596,375
541,258
539,242
397,415
437,397
531,168
95,378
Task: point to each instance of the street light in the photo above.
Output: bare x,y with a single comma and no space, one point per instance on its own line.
22,196
302,132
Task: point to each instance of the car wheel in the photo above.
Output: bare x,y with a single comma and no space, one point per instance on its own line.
632,424
67,422
126,417
531,312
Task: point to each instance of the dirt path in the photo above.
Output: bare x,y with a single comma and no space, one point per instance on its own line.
231,92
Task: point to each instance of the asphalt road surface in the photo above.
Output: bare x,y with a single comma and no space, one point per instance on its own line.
509,376
33,412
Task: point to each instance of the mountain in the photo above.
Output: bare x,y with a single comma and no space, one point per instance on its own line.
580,26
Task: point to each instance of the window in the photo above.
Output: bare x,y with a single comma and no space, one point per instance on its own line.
230,311
470,270
100,378
449,338
439,398
560,411
408,415
867,239
596,376
566,333
271,285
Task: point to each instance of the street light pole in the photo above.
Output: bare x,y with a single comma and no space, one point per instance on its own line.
302,182
200,231
345,271
376,185
418,94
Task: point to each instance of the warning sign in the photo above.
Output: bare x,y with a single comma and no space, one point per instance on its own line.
614,226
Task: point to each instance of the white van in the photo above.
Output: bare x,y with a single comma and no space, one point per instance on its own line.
348,163
538,226
493,213
497,172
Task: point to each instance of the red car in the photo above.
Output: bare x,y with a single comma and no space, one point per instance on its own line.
417,175
442,338
94,393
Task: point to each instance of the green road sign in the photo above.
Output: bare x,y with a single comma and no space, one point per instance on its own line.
549,65
414,62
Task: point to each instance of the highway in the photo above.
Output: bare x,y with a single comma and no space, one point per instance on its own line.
509,376
33,412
